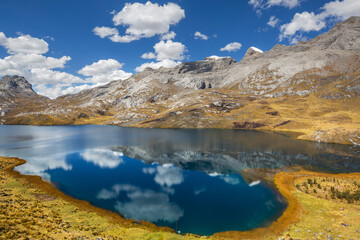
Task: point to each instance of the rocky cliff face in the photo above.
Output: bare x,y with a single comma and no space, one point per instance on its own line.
311,88
15,92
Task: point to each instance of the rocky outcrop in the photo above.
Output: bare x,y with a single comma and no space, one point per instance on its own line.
16,85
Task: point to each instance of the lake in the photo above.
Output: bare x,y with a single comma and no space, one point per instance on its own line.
188,180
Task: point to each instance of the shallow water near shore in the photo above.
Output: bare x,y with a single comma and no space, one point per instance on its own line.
184,179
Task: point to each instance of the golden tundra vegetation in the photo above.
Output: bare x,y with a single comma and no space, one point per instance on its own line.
320,206
306,118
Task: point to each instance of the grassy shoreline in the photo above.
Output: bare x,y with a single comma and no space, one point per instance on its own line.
35,209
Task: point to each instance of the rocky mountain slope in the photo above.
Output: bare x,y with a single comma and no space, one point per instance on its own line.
311,89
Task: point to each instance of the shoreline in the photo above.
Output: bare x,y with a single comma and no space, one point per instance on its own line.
284,182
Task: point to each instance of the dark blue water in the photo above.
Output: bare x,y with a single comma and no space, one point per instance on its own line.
185,179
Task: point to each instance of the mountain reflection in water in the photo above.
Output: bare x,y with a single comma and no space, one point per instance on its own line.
187,179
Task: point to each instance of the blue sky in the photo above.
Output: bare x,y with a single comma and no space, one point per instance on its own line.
64,46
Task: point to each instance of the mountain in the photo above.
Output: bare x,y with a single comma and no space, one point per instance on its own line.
310,90
18,97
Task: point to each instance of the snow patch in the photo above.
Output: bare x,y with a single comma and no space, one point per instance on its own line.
256,49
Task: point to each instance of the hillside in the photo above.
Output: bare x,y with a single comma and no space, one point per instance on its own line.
311,90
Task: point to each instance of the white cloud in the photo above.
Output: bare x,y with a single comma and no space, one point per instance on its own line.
24,44
48,76
167,63
259,5
306,22
105,31
168,36
104,71
166,53
231,47
256,3
148,55
199,35
169,50
342,9
273,21
26,62
143,21
285,3
76,89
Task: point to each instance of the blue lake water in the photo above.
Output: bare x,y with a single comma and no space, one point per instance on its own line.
188,180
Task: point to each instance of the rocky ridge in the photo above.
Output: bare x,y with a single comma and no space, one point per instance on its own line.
311,88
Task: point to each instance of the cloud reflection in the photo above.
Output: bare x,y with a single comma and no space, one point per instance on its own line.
230,179
143,204
38,166
103,158
166,175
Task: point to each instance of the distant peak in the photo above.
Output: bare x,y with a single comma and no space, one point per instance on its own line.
252,51
16,84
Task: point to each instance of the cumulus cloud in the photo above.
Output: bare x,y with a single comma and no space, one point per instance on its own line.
167,53
273,21
341,9
48,76
103,158
306,22
199,35
148,55
167,63
105,31
24,44
104,71
231,47
142,21
169,50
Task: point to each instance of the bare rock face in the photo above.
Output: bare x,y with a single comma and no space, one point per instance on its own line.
252,51
16,85
209,64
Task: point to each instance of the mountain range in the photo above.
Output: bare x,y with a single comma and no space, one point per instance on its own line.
310,90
